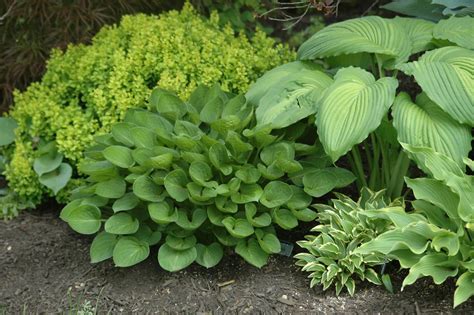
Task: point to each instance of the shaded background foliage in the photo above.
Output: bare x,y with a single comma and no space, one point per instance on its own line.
29,29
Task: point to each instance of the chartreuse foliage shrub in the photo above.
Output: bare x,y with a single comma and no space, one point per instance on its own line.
347,82
436,240
194,177
87,88
330,255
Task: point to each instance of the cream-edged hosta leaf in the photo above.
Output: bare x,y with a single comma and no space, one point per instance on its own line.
458,30
351,108
370,34
425,124
446,75
420,32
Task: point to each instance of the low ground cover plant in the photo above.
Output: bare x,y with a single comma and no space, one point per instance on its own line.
89,87
195,177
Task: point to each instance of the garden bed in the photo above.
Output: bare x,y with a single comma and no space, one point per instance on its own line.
41,259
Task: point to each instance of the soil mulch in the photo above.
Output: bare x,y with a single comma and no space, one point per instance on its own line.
44,268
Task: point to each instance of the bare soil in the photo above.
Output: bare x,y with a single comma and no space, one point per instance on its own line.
44,268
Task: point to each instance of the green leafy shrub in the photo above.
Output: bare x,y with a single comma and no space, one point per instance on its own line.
195,175
88,88
330,255
437,239
346,81
433,10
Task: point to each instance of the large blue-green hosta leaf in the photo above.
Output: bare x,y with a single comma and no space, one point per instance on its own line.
424,124
351,108
288,93
458,30
368,35
447,76
424,9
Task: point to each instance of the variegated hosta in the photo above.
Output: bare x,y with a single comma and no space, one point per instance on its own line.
437,239
195,178
330,255
341,80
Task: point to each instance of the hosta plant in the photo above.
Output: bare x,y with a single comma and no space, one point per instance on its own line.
437,239
194,177
87,88
349,83
330,254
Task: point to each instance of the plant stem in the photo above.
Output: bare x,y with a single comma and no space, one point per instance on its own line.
380,66
374,177
397,180
358,165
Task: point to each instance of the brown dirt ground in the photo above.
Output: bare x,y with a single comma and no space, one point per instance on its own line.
41,260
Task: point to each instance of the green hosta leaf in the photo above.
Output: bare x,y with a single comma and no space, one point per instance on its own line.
130,251
420,33
395,240
102,247
209,256
275,194
113,188
239,228
367,35
299,200
352,107
319,182
101,170
7,130
145,189
198,217
251,252
248,174
57,179
65,212
446,75
121,223
262,220
167,103
219,157
465,288
185,128
457,30
175,184
437,193
180,243
201,173
198,193
247,193
120,156
305,215
292,98
143,137
174,260
47,162
212,110
438,266
237,145
224,237
85,219
162,213
424,9
284,218
145,233
154,122
162,161
268,242
439,131
215,216
128,202
122,132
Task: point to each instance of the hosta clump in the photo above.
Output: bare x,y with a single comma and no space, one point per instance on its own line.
436,240
330,255
194,177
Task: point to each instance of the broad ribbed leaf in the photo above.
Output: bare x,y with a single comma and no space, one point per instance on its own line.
292,99
447,76
362,35
458,30
420,8
425,125
420,32
465,288
352,108
436,265
7,130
